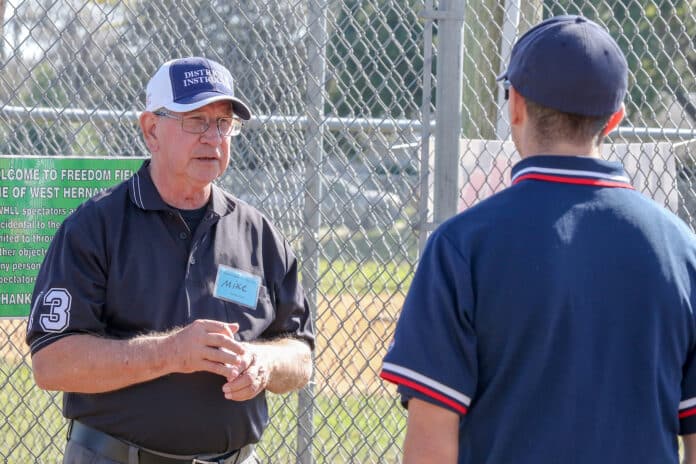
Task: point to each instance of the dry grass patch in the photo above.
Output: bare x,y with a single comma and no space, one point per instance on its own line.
353,334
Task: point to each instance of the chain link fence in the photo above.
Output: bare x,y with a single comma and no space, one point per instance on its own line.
340,155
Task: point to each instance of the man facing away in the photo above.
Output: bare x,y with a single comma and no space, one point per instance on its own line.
553,322
165,307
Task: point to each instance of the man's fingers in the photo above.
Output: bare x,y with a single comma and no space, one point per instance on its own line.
207,345
239,389
249,383
242,382
239,396
212,326
221,355
224,342
217,368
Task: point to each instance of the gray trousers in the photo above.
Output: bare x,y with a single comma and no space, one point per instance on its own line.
78,454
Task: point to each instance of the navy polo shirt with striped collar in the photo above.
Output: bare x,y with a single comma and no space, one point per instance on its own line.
125,263
556,317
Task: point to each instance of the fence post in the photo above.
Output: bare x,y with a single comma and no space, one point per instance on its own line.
448,113
511,22
314,134
425,213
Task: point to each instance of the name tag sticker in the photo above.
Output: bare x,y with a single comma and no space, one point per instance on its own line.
237,286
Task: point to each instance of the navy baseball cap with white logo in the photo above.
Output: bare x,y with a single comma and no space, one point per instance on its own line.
570,64
187,84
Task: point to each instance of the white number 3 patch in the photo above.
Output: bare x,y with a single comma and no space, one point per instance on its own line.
58,301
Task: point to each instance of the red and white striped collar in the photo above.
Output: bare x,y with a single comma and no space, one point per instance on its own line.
577,170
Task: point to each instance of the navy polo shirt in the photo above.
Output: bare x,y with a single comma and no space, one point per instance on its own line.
556,317
125,263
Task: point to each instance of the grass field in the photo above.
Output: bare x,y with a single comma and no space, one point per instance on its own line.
347,429
31,425
338,277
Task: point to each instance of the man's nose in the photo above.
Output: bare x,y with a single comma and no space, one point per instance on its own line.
212,134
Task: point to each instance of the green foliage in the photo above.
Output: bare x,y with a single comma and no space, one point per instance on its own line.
44,90
37,136
375,58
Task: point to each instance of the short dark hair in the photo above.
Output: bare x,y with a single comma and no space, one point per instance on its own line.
551,125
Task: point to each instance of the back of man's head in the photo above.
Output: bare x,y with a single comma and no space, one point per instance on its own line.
572,71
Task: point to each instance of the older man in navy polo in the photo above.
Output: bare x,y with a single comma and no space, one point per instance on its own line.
166,307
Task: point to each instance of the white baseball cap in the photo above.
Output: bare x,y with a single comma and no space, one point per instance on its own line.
186,84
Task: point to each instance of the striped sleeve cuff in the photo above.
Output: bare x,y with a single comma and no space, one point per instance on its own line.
687,416
441,393
687,408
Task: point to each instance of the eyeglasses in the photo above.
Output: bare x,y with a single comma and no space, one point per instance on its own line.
227,127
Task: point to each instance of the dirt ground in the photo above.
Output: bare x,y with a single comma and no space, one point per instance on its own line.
353,333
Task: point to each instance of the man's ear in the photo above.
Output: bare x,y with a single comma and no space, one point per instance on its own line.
148,126
517,107
614,121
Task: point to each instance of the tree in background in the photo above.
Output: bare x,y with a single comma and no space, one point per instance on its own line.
51,66
375,70
375,57
99,54
39,137
483,43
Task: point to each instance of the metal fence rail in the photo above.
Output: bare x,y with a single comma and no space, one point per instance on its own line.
374,121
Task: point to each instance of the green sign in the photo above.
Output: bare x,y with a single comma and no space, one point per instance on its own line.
36,194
